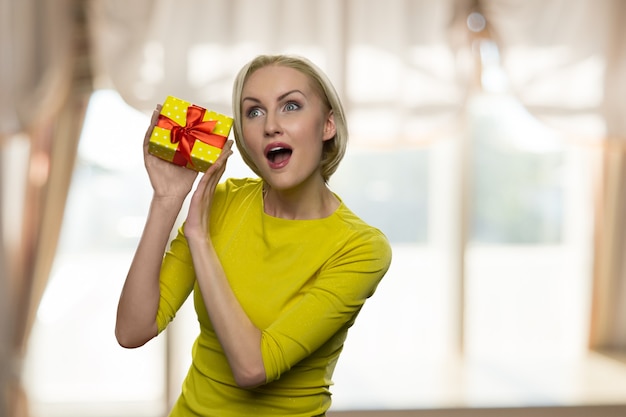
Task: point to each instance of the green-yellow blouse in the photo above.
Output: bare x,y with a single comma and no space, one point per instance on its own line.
302,282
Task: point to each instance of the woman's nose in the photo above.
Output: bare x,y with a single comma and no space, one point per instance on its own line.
272,126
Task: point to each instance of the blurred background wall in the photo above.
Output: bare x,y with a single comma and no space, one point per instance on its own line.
488,142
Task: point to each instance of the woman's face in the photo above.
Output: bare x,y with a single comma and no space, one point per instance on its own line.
284,126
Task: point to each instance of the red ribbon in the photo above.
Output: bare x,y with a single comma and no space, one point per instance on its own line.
194,129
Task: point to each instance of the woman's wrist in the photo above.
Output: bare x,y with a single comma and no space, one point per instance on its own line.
166,209
168,201
197,237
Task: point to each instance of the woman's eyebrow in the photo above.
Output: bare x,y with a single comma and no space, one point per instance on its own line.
256,100
281,97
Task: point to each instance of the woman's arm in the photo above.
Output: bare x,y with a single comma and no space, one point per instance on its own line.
139,300
239,337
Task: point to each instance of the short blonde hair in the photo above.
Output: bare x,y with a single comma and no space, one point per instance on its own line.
335,148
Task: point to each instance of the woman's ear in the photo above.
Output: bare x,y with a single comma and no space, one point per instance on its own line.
330,130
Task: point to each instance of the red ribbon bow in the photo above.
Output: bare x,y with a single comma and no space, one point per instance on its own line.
194,129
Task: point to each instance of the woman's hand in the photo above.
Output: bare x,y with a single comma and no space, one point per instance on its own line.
197,223
239,337
168,180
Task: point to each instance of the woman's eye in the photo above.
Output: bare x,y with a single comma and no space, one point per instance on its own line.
253,112
291,106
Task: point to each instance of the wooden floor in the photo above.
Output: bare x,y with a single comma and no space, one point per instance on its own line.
586,411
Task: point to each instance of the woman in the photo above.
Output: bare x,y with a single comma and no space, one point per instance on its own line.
278,265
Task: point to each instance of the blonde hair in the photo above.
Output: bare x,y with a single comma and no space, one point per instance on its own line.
335,148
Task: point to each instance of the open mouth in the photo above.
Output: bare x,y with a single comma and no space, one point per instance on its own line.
278,154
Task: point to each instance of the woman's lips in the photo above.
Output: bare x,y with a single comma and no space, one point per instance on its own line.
278,154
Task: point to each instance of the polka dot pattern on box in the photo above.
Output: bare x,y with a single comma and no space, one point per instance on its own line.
203,155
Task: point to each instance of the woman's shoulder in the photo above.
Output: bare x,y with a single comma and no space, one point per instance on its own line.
235,188
235,194
240,184
360,232
359,244
352,221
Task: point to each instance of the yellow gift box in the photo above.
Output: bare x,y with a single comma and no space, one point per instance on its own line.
189,135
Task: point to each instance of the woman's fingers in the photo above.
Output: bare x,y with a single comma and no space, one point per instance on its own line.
220,165
227,151
212,176
200,204
215,171
153,122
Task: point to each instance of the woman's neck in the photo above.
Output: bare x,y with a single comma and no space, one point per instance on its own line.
302,204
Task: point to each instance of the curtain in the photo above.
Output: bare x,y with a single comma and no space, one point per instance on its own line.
5,329
151,48
45,84
608,330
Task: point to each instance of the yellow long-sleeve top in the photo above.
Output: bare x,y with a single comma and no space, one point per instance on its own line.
301,282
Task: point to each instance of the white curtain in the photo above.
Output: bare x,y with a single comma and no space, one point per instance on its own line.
152,48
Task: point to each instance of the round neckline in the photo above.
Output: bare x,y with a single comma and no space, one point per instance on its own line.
260,196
